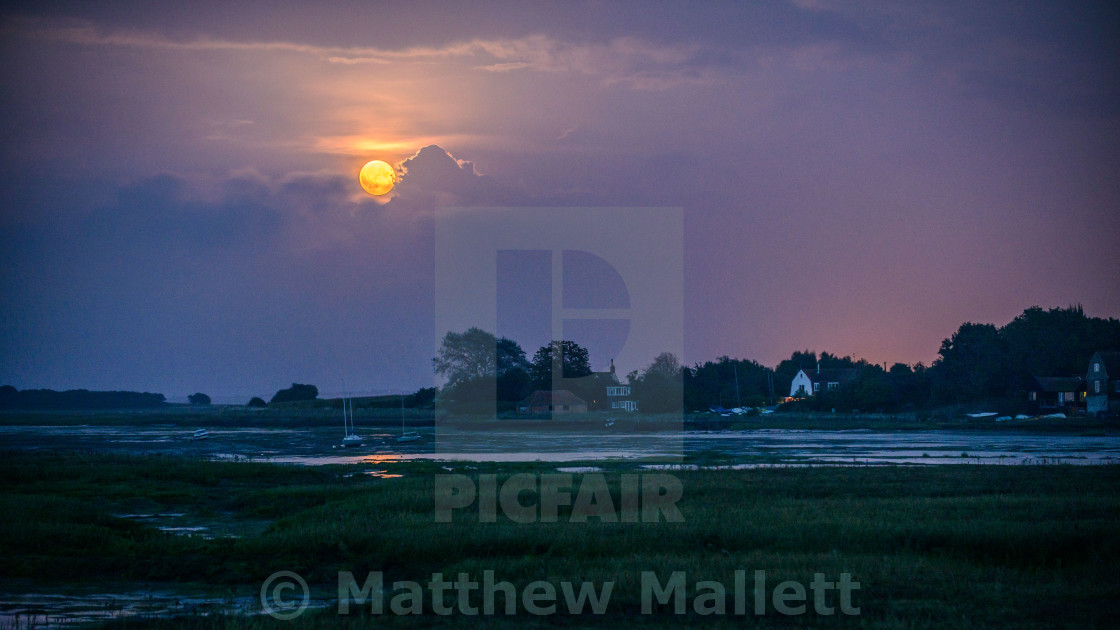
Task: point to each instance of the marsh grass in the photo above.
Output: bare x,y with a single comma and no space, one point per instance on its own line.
947,546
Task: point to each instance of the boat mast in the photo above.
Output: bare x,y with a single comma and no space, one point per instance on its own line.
736,366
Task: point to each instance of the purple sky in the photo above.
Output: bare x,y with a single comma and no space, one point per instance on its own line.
180,211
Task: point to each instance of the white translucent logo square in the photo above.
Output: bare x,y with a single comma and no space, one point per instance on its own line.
605,281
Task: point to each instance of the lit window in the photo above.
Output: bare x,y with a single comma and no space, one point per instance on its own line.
1096,387
816,387
1096,367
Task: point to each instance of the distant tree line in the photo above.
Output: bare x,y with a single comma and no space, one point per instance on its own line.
481,368
421,398
978,362
12,398
981,361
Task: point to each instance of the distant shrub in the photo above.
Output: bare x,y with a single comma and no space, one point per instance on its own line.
295,393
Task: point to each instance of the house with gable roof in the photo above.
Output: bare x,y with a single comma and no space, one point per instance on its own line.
1102,384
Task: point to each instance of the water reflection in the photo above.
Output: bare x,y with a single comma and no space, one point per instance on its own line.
316,446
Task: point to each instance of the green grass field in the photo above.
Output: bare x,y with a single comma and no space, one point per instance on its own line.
932,547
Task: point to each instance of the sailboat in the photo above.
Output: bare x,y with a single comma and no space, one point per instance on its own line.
406,436
351,438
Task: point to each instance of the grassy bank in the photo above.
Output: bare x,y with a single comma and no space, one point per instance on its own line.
951,546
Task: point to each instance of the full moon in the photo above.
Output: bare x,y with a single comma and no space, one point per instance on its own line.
377,177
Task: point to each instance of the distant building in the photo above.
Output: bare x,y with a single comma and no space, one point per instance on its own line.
1102,384
1053,394
802,385
556,402
812,382
604,391
618,397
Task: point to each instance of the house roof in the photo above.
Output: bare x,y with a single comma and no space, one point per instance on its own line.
1111,362
1058,383
831,375
605,379
543,397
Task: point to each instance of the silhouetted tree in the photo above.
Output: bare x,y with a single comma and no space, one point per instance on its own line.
513,385
198,398
566,358
10,398
1057,342
423,397
714,383
972,364
257,401
474,354
910,384
659,387
295,393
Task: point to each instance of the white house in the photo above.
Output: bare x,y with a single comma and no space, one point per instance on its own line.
802,385
618,395
812,382
619,398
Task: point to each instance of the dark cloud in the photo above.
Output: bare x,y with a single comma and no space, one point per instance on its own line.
231,286
1051,58
165,212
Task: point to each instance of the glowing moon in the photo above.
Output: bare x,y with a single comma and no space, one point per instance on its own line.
377,177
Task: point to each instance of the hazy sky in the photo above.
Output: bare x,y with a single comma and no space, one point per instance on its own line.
180,211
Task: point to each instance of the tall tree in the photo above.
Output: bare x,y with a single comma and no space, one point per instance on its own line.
727,382
659,387
664,365
510,357
972,364
566,359
475,354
